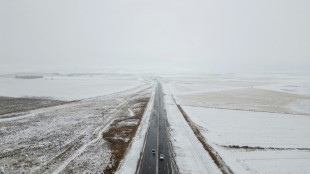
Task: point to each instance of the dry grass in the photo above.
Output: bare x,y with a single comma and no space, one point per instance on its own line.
10,105
250,148
119,137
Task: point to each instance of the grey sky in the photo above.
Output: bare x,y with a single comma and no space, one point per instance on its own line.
180,35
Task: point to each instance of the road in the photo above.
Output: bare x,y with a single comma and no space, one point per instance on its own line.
157,139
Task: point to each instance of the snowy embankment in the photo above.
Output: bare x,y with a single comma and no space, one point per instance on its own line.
190,155
130,163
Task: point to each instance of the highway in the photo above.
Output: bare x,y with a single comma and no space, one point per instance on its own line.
157,139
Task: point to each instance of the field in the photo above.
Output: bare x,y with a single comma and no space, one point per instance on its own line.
247,123
68,87
70,137
97,123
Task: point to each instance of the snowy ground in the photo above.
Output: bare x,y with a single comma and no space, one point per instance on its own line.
256,123
190,155
280,93
249,139
130,163
68,138
68,86
254,129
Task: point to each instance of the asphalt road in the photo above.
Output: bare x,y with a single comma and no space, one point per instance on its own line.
157,139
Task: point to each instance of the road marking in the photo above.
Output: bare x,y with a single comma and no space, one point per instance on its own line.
157,134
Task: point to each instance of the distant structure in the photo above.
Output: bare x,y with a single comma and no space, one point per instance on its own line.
28,77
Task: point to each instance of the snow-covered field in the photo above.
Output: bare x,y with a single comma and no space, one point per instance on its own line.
70,137
280,93
257,123
66,138
249,139
253,129
68,86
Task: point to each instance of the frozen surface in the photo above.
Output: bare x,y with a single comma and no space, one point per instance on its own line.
68,87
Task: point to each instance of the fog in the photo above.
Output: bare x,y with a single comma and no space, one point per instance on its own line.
155,36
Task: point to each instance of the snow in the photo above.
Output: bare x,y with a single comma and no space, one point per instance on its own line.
268,161
270,113
280,93
79,151
287,133
297,83
67,87
128,122
245,128
63,138
130,162
53,135
130,112
190,155
301,106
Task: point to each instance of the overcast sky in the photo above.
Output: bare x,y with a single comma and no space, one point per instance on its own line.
163,35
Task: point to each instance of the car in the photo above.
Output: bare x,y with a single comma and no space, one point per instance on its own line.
153,151
161,157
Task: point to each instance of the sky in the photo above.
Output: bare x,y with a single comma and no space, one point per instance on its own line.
159,36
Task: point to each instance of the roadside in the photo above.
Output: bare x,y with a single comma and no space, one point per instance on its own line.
190,155
123,129
132,159
213,154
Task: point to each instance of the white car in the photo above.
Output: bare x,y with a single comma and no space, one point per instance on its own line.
161,157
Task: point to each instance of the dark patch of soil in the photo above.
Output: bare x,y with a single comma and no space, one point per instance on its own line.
9,105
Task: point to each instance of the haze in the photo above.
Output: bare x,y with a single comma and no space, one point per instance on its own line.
166,36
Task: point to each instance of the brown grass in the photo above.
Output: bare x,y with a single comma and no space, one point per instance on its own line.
116,136
9,105
250,148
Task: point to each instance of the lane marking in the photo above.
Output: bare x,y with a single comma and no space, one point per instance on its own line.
157,131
